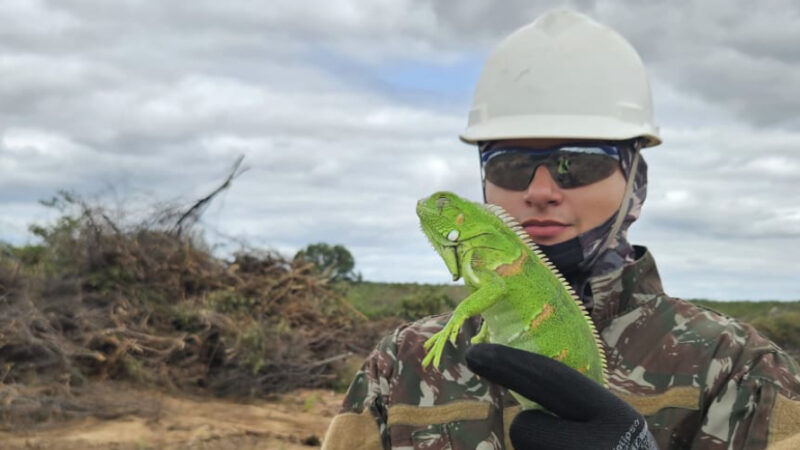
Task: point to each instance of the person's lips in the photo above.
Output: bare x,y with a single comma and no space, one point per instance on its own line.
543,228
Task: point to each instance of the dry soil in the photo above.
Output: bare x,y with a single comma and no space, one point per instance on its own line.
292,422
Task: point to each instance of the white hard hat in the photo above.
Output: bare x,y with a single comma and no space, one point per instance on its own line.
563,76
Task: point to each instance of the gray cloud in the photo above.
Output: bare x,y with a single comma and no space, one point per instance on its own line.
147,100
738,55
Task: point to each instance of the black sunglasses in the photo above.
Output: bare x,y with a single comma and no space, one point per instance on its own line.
571,166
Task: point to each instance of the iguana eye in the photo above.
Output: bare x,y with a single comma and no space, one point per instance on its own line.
452,236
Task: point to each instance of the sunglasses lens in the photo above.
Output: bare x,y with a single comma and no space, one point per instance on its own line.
570,167
575,169
510,170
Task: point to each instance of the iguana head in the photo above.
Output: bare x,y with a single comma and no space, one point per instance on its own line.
450,222
442,218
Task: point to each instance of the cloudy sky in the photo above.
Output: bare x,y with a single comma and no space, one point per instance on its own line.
347,111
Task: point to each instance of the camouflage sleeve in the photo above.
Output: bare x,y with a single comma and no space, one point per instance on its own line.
362,420
757,407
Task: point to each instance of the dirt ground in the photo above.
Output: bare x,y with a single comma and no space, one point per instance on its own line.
291,422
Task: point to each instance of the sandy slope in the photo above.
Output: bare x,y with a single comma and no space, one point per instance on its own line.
294,421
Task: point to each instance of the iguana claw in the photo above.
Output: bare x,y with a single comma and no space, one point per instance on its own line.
482,336
435,344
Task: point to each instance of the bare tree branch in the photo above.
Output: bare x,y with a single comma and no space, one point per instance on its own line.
199,206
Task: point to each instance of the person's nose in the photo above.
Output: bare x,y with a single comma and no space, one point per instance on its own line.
543,190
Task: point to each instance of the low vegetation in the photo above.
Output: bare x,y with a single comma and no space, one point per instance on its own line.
409,301
777,320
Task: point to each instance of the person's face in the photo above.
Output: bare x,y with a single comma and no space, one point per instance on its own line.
550,214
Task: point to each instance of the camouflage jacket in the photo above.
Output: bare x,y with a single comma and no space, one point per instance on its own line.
702,380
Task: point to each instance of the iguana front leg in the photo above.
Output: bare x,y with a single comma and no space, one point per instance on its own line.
490,291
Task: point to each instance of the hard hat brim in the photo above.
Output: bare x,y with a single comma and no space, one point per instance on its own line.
560,127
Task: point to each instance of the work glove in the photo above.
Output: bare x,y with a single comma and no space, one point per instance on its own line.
587,415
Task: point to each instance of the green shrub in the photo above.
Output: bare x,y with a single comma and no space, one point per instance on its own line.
345,372
333,262
382,300
230,301
783,329
425,302
28,255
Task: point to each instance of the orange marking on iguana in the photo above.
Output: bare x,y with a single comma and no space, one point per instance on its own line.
547,310
460,219
561,356
507,270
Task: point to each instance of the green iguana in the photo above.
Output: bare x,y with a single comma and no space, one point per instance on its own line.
524,301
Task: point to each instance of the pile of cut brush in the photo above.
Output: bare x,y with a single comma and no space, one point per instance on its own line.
149,304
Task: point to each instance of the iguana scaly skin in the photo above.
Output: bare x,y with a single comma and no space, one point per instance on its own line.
524,301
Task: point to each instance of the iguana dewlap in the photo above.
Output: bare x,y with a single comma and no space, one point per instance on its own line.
524,301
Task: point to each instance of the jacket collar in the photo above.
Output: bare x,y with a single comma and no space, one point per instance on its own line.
617,292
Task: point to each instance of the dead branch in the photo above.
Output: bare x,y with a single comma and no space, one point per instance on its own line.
196,210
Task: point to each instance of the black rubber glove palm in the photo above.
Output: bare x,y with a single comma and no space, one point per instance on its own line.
587,416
